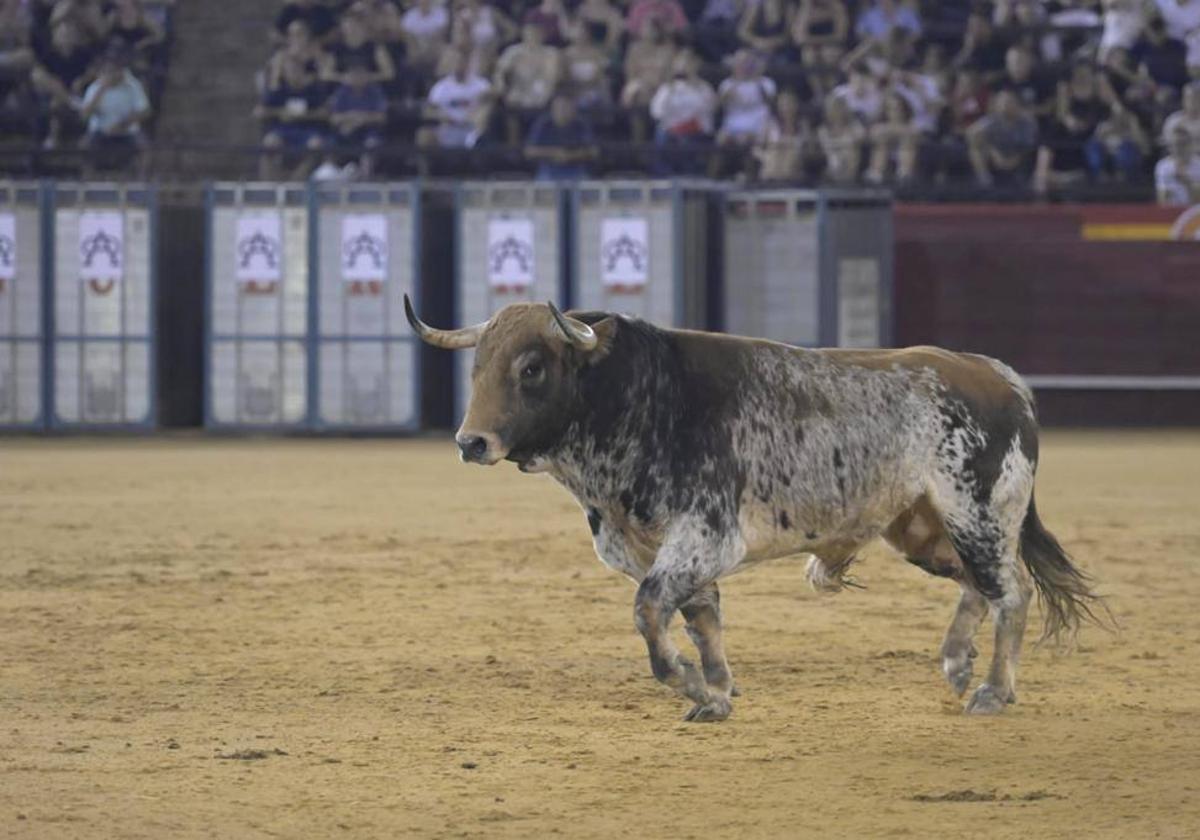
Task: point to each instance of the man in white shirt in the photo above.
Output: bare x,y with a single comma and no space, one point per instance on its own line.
1177,176
460,103
1188,118
425,26
861,95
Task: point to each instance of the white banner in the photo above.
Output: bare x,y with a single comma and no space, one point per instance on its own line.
101,247
259,251
364,247
8,248
510,253
624,252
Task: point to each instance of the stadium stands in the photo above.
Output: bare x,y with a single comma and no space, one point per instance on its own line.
1004,99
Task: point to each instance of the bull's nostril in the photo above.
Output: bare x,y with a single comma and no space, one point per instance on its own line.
473,447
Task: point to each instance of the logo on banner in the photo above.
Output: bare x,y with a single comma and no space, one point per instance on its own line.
8,249
510,254
101,249
364,253
259,253
624,254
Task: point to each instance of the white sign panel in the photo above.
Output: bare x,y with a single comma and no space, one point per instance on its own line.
259,251
858,302
101,248
8,248
364,248
624,252
510,253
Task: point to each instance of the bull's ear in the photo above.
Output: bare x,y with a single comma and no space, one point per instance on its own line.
606,334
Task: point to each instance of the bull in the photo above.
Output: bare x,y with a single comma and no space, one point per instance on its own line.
695,455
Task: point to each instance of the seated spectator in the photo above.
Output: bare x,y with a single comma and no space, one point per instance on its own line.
605,21
841,137
461,42
1187,119
585,73
983,48
525,79
354,46
877,20
561,142
1161,57
746,100
293,105
357,113
1034,91
319,18
460,103
823,71
551,18
485,28
1118,146
1177,175
764,26
114,106
714,34
818,23
861,94
64,67
1123,24
1182,19
668,14
1002,143
426,25
131,29
683,109
945,153
1081,105
648,63
16,60
790,148
894,141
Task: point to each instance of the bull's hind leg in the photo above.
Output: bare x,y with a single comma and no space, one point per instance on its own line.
986,540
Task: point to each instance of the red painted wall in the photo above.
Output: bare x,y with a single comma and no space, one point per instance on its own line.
1023,284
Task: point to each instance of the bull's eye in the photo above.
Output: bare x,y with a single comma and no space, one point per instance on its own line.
531,371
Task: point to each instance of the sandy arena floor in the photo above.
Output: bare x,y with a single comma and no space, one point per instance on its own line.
365,638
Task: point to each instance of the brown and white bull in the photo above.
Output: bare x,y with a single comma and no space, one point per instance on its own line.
695,455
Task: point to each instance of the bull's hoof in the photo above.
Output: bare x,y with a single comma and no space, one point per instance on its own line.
819,578
716,709
986,701
958,674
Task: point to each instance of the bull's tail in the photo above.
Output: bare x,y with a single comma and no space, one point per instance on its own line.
1064,591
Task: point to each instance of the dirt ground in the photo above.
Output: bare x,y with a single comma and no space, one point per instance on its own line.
259,638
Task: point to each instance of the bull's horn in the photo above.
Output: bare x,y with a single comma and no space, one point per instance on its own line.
446,339
575,332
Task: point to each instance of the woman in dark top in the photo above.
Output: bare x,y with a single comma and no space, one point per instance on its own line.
1083,101
354,47
764,26
132,28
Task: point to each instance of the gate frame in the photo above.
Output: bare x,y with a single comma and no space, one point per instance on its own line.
50,278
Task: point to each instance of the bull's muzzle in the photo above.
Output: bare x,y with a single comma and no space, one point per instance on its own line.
478,448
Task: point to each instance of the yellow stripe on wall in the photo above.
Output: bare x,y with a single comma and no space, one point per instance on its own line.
1127,232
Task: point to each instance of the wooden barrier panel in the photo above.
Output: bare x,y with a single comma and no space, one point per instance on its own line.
1092,299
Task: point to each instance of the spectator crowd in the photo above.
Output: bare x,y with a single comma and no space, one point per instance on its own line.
1027,95
82,74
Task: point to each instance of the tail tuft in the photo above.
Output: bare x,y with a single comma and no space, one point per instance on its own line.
1064,591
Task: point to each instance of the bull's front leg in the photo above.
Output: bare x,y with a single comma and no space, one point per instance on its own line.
679,575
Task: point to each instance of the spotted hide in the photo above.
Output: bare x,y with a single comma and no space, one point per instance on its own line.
695,455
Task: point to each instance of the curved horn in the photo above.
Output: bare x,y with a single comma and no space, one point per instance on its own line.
575,332
446,339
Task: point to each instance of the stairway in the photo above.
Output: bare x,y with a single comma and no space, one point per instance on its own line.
219,46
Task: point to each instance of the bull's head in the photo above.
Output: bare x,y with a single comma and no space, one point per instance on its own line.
528,360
